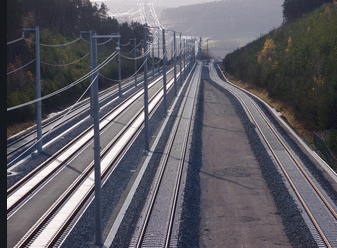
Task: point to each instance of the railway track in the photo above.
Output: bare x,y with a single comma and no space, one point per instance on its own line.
154,229
318,210
59,159
18,143
72,196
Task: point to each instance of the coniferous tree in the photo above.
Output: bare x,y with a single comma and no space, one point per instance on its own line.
293,9
59,21
14,17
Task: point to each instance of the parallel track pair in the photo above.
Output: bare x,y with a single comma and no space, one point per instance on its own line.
107,120
156,227
320,209
16,144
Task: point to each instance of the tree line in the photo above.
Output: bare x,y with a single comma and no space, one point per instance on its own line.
296,64
60,21
64,16
293,9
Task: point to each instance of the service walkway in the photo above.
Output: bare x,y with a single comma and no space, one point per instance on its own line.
237,208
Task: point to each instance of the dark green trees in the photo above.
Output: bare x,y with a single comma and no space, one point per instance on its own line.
293,9
296,63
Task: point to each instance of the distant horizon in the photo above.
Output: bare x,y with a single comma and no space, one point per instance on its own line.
240,32
158,3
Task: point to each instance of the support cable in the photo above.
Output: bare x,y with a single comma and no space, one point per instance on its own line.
56,124
140,57
133,48
104,42
104,63
14,41
61,65
8,73
161,58
129,52
122,44
114,80
59,45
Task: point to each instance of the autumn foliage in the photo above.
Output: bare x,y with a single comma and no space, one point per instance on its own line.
60,21
296,63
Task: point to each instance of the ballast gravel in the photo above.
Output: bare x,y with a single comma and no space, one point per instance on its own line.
296,230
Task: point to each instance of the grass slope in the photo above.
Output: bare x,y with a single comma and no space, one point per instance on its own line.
296,65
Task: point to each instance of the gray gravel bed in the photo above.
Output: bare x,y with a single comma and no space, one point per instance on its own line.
190,216
295,227
83,233
33,162
300,152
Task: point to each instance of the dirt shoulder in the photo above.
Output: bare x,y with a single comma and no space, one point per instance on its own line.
236,206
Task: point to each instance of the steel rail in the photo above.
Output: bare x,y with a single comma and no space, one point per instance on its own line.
66,195
103,95
113,164
48,123
165,159
297,163
182,161
122,211
311,216
62,150
295,160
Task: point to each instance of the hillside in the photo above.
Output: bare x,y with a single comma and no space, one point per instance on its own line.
60,65
296,65
232,22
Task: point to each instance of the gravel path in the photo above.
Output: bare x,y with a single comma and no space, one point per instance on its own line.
236,206
234,195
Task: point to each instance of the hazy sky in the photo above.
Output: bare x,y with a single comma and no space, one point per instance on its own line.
163,3
247,21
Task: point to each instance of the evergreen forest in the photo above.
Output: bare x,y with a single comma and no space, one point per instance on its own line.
296,64
60,22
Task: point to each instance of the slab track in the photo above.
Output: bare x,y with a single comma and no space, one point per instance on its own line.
319,210
18,143
52,194
154,229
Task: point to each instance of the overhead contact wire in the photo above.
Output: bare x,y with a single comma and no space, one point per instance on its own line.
8,73
58,45
104,63
61,65
56,124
